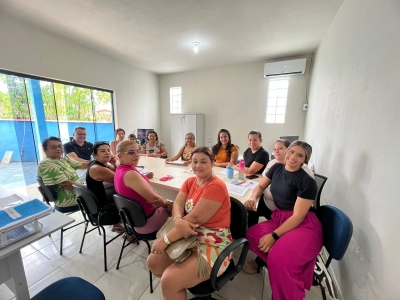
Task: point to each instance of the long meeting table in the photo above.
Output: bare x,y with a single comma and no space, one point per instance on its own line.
170,188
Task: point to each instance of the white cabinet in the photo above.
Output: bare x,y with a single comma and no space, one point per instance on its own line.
181,124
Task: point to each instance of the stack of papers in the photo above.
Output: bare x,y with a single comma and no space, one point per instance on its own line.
236,190
145,171
176,162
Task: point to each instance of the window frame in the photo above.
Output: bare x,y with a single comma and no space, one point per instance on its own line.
175,105
273,105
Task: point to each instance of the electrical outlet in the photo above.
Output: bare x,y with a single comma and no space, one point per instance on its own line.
305,107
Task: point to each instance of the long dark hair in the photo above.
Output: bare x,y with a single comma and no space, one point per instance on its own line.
229,146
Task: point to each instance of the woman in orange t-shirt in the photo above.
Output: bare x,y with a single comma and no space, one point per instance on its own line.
226,153
201,208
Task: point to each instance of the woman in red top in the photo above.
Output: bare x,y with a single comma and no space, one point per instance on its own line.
201,208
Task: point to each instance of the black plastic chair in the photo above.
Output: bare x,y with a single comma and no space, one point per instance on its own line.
238,228
132,215
337,231
320,180
70,288
49,195
98,217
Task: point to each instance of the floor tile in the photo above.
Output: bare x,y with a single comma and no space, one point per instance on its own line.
92,260
129,282
46,281
37,266
5,292
28,250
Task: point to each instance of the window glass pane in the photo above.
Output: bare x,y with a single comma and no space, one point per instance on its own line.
270,119
280,119
281,102
271,102
283,84
271,110
282,93
175,99
273,84
273,93
280,110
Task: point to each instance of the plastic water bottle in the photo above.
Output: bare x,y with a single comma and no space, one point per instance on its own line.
209,143
241,170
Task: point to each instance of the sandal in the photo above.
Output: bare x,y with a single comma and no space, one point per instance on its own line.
118,228
130,238
250,267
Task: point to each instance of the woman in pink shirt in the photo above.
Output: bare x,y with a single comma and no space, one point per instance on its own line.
129,183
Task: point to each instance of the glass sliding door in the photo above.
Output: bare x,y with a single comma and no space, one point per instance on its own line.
32,109
17,144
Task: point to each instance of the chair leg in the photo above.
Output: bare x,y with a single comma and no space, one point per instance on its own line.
61,241
99,230
84,235
322,291
122,250
151,283
105,248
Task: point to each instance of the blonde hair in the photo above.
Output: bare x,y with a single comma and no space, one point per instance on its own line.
124,145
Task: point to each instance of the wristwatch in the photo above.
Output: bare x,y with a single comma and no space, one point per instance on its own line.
166,240
274,235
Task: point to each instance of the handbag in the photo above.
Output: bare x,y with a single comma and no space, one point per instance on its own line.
180,249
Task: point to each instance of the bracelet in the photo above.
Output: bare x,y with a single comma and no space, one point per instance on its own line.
166,240
275,235
180,204
174,219
166,206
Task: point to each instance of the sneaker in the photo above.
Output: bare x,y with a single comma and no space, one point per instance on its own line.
250,267
322,276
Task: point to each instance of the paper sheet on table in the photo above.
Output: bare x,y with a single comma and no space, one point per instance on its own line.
145,171
223,172
237,190
176,162
189,171
250,184
10,200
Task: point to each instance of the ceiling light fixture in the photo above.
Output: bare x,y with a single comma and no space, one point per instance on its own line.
196,46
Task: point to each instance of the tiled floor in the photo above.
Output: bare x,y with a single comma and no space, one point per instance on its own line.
43,266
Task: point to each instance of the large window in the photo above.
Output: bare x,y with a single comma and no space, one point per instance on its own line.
32,109
176,100
277,98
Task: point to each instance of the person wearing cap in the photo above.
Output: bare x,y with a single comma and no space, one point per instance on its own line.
290,242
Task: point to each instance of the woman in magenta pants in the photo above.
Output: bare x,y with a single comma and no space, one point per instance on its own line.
290,242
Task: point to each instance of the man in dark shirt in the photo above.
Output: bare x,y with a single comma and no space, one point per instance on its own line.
79,149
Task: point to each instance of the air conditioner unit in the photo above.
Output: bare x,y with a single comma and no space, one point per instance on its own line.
284,68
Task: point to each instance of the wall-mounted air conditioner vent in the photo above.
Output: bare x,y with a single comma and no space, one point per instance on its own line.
284,68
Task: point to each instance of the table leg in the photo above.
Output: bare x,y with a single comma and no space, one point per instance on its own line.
18,275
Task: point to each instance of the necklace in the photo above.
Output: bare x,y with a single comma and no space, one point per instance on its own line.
199,185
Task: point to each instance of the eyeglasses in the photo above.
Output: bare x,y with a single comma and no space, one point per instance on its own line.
133,152
82,134
189,138
54,147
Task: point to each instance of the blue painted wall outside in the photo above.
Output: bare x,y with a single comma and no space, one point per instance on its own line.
17,136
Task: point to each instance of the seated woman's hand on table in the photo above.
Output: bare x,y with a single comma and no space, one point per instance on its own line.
149,175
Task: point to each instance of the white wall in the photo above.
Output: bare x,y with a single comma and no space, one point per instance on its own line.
233,97
32,50
353,125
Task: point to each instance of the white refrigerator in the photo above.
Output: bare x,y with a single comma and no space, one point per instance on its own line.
181,124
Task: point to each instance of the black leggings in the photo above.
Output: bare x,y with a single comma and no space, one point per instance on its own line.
262,210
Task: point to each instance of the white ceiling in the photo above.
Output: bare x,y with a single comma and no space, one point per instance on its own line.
157,35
